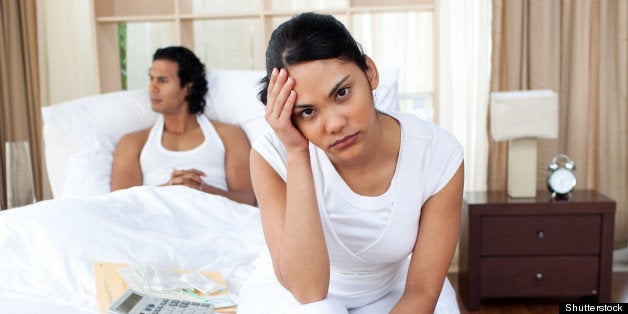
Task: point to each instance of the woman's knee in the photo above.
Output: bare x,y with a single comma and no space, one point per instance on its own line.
329,305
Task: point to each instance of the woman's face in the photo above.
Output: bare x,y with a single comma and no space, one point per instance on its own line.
334,106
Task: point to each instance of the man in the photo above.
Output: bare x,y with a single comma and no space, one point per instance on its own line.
183,147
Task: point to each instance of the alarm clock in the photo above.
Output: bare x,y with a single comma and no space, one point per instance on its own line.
562,179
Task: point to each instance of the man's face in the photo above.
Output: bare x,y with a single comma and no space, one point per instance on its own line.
166,93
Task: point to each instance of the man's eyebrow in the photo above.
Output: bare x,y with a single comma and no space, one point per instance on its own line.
160,77
333,90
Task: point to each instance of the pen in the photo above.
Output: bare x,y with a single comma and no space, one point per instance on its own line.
192,293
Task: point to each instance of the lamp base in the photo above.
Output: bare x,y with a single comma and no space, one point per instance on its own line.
522,168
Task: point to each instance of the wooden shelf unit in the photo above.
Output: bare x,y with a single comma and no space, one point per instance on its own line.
109,13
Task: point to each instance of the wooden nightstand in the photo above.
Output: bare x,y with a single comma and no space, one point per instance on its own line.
536,247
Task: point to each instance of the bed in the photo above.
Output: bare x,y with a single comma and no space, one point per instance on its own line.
48,249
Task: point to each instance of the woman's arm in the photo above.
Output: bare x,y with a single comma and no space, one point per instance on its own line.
292,226
289,210
434,249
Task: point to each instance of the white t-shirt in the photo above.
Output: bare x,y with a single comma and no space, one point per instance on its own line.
370,238
157,162
357,220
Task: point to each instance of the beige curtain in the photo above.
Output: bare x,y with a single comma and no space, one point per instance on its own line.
578,49
464,55
19,85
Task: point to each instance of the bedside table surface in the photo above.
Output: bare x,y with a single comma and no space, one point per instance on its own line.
542,196
582,201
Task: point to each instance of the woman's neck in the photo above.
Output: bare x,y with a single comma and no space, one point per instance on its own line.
375,169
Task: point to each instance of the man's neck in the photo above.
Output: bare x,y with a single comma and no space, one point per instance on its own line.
180,123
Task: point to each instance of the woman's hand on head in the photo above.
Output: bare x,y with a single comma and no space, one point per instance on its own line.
280,102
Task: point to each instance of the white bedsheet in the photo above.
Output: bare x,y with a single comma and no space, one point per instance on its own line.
47,249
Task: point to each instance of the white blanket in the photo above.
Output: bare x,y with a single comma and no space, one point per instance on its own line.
47,249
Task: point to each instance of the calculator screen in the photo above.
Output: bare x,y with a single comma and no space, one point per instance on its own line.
129,303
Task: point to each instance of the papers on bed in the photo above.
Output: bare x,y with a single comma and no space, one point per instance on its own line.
113,280
151,279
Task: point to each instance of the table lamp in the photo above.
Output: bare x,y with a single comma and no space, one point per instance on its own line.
521,117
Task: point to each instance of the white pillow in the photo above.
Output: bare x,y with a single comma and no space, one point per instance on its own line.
231,98
386,94
113,114
232,94
89,173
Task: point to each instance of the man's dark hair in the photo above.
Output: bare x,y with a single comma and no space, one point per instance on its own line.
191,69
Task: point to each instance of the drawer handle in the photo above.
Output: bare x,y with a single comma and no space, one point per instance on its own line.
541,235
539,277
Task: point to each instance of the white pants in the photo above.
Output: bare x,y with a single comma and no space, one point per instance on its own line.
266,295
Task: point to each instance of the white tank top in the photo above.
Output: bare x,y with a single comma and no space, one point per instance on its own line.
157,162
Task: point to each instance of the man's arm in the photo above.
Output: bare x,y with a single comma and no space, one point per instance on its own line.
126,171
237,168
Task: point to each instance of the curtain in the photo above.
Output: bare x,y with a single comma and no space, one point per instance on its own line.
19,86
67,50
464,54
68,58
579,50
141,42
464,76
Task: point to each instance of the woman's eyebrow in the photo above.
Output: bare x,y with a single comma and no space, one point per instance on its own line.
301,106
333,90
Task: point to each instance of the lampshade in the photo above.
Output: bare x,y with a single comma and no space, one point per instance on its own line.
520,117
519,114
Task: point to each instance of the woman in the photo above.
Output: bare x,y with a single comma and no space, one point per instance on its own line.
348,193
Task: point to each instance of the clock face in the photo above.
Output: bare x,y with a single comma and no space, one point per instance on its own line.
562,181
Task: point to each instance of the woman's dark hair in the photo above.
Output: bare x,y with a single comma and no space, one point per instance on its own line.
309,37
191,69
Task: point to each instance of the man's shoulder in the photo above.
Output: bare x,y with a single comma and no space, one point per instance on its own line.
227,129
223,125
136,137
229,133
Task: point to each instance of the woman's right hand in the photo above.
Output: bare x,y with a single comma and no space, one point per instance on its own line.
280,101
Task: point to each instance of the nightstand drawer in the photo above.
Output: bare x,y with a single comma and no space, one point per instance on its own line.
541,234
539,276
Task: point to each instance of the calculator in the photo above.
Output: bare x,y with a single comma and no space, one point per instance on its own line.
132,302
